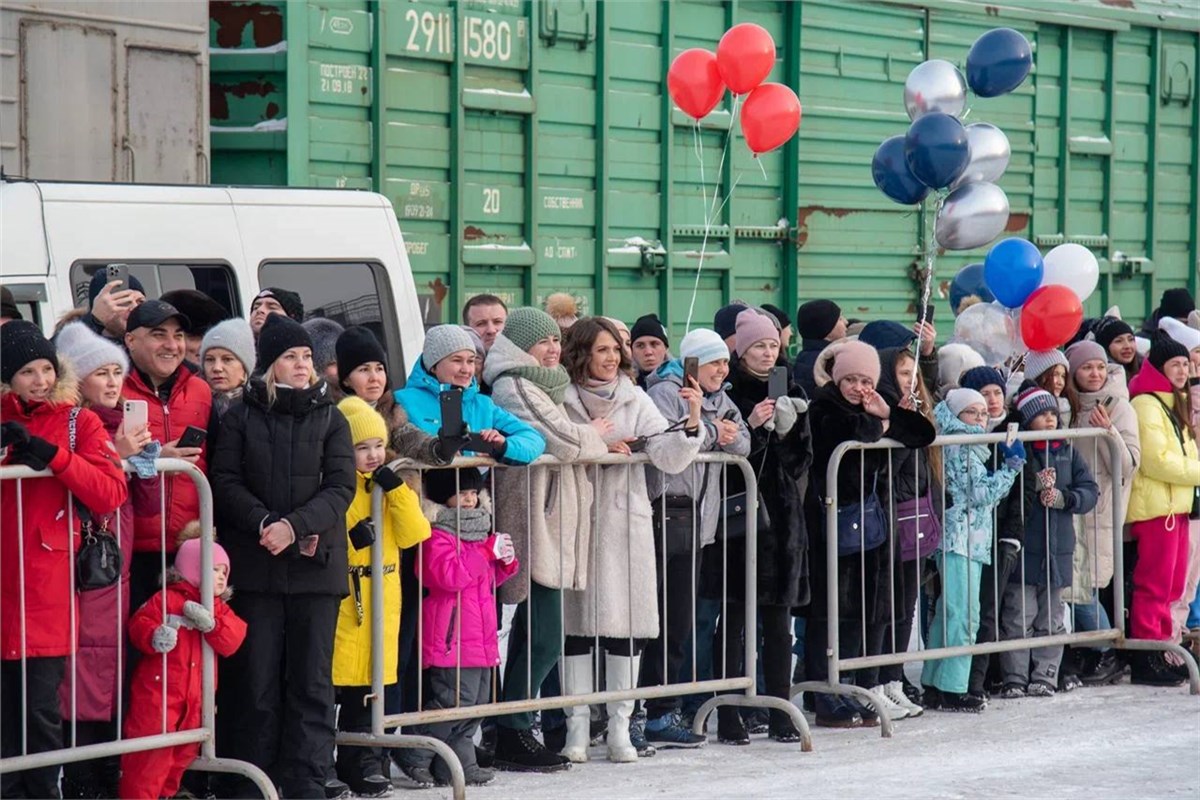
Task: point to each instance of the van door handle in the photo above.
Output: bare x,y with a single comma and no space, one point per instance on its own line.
125,145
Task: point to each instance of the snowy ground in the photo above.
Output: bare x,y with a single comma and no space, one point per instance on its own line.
1112,742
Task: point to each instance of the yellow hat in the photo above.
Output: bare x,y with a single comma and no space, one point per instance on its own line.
365,422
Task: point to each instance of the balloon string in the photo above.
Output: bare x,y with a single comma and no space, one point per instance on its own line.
711,209
931,247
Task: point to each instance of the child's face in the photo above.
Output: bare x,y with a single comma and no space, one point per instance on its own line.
220,579
467,498
1054,380
1045,421
994,395
369,455
974,414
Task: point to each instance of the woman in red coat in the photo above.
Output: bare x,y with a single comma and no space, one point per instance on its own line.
37,601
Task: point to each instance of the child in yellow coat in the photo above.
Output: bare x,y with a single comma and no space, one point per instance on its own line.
365,769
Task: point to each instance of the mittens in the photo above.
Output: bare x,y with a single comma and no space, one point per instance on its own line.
502,548
386,478
362,534
164,638
1013,454
787,411
13,434
35,452
1053,498
200,617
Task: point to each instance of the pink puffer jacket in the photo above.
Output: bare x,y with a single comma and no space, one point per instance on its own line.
448,625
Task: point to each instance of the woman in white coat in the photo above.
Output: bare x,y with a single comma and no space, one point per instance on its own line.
620,602
1103,403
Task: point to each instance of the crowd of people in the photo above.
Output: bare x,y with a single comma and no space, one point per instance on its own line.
638,568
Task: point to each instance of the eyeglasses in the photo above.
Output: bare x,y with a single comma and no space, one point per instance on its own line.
973,414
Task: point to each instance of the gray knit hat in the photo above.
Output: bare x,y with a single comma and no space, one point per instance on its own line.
444,340
88,352
233,335
525,327
1038,361
324,333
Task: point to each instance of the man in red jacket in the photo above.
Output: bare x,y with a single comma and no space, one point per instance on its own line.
175,398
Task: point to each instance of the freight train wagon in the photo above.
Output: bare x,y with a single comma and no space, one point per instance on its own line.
529,146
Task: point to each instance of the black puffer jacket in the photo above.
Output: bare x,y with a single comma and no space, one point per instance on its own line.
293,459
782,469
834,420
910,472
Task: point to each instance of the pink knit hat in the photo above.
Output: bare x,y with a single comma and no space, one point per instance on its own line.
856,358
754,325
1082,352
187,560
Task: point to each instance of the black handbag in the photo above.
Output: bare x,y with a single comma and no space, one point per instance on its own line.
861,526
98,561
675,523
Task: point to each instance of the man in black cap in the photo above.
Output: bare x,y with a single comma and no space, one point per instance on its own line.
785,325
1176,303
819,322
202,311
175,398
650,345
274,300
111,304
725,322
8,306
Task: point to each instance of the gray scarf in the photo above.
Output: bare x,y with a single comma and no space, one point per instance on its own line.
468,524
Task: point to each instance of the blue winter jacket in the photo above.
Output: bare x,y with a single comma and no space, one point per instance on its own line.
973,493
420,400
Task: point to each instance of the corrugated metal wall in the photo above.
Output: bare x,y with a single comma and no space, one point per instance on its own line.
528,146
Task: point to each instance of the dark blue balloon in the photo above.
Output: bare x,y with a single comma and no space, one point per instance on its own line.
937,149
998,62
1013,270
890,170
969,281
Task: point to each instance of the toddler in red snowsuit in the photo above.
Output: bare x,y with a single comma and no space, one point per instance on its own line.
157,773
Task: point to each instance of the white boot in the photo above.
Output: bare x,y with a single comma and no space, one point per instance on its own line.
621,672
577,679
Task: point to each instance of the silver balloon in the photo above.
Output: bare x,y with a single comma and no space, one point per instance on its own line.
990,152
935,85
972,216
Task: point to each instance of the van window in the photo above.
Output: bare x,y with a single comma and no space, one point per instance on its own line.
27,297
347,292
213,279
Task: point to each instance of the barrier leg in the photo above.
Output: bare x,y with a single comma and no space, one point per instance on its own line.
1166,647
886,726
458,782
244,768
751,700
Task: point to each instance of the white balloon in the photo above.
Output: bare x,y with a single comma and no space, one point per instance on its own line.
1074,266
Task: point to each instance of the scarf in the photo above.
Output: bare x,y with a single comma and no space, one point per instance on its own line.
551,380
468,524
599,398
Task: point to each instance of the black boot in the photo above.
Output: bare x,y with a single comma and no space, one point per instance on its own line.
968,703
782,729
730,728
1106,669
520,751
1151,669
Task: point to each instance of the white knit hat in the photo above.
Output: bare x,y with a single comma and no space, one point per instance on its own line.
959,400
88,351
234,335
705,345
442,341
1038,361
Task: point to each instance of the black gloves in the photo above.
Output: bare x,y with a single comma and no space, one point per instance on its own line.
363,534
447,447
386,478
32,451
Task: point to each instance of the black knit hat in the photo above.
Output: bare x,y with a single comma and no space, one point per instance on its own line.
8,304
1162,350
20,343
778,313
725,320
278,335
439,484
292,305
816,319
649,325
1107,329
199,308
355,347
324,333
1177,303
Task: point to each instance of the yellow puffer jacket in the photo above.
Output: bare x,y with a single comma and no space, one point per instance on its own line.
1168,473
404,526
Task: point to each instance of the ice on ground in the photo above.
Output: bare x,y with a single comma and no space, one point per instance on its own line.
1096,743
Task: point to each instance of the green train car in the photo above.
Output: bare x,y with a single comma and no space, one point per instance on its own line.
529,146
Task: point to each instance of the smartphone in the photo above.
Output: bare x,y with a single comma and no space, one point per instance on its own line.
1108,402
638,444
777,383
137,415
691,369
1011,434
476,444
927,312
117,272
452,413
193,437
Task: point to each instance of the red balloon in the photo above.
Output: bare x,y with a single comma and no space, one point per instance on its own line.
770,116
695,82
1050,317
745,55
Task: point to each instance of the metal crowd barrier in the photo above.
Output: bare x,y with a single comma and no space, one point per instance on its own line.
733,690
838,663
204,735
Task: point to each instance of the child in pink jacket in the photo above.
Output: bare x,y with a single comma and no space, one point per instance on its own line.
461,565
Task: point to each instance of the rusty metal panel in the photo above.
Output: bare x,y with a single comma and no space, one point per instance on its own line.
165,136
68,101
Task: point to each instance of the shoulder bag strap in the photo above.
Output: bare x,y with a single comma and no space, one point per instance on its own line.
82,511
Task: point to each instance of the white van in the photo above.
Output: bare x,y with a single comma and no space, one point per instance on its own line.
342,251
